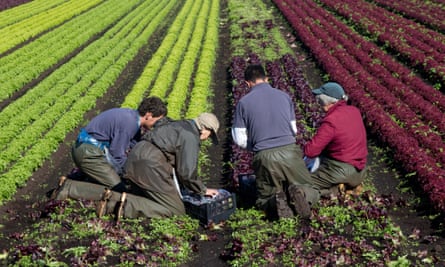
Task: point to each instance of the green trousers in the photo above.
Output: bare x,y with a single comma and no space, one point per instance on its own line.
92,161
278,168
135,206
332,172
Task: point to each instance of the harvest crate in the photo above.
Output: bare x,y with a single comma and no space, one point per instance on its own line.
211,210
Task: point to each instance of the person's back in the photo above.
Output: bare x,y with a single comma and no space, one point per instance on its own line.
180,140
340,142
268,113
102,146
117,127
349,142
264,123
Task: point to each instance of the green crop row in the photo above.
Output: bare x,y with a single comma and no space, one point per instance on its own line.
191,41
183,80
21,12
21,31
171,66
182,67
199,99
250,34
51,48
55,85
154,66
72,90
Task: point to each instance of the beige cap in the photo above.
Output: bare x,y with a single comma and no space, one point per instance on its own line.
209,121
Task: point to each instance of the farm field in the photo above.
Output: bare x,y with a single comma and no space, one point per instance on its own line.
64,61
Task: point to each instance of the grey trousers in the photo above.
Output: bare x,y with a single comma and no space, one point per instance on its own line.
276,169
332,172
135,206
92,161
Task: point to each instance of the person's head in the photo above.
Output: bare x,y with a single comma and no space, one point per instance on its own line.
329,94
150,110
254,74
208,126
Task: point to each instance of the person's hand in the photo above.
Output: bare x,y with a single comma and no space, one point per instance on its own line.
211,192
312,163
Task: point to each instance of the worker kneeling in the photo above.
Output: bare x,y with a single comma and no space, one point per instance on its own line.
152,191
157,168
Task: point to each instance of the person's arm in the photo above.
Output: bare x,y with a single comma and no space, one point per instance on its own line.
293,120
239,136
239,128
187,163
321,139
293,125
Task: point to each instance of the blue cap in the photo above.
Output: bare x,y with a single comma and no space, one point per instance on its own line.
331,89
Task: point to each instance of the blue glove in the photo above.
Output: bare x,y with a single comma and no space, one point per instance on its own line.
312,163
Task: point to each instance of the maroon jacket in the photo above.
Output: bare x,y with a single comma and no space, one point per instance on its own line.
341,136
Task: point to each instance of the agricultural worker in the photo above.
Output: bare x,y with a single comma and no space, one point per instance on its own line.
102,146
160,167
340,142
264,122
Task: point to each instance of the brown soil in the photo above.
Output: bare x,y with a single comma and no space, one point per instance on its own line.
17,214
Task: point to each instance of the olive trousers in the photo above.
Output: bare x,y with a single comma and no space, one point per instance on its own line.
135,206
93,162
332,172
278,168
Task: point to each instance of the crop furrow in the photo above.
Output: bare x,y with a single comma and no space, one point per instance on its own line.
427,12
27,63
201,93
154,66
184,79
27,10
421,47
165,77
17,33
149,17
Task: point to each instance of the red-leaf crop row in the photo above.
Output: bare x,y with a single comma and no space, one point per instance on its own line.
366,92
240,158
420,46
400,102
426,12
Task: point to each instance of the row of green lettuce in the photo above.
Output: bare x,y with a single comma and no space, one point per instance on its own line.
26,63
179,71
19,31
37,122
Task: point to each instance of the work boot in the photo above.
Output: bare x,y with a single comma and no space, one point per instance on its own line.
101,205
119,212
344,190
52,194
299,202
283,208
356,191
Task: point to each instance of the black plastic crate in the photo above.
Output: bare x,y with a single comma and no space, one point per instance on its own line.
212,210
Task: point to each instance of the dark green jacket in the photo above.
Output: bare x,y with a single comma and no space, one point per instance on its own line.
180,143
